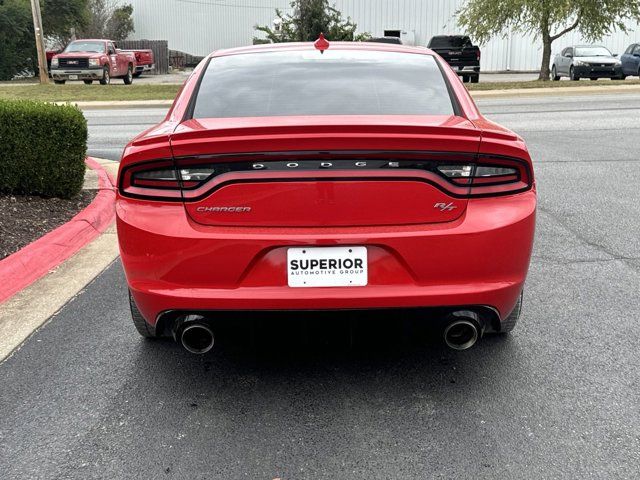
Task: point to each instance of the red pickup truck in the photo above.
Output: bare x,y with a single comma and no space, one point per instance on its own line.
145,61
90,60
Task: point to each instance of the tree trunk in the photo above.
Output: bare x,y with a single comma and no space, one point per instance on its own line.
547,40
546,58
545,30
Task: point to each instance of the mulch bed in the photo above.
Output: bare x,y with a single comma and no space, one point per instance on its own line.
24,219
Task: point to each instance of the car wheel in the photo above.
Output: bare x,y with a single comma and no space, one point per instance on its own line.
593,79
572,75
510,322
106,78
621,77
554,74
475,79
138,320
59,82
88,82
128,78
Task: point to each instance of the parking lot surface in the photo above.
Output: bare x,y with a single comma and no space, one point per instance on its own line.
85,397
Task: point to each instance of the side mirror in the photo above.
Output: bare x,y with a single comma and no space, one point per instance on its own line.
615,54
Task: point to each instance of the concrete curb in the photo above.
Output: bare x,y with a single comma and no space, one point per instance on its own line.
24,267
554,91
121,104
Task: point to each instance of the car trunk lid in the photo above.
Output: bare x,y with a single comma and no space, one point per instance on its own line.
323,171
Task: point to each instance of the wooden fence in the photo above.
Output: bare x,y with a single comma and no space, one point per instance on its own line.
160,52
179,59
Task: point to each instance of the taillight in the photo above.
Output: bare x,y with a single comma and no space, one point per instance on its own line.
490,176
161,180
478,55
460,175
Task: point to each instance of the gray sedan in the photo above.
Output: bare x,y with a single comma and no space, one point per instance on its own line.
586,61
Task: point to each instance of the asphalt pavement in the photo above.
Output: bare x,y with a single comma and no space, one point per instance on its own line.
85,397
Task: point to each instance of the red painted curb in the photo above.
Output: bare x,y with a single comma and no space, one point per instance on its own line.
21,269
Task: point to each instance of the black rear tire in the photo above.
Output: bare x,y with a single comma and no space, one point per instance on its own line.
88,82
128,78
510,322
475,78
554,74
59,82
593,79
138,320
106,77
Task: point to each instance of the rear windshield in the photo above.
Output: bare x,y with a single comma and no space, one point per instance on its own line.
450,42
338,82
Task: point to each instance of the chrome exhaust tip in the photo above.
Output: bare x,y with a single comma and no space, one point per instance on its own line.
197,338
462,332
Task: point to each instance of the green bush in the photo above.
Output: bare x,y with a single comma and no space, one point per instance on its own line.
42,148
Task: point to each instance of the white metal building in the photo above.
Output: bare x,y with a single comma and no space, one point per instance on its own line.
201,26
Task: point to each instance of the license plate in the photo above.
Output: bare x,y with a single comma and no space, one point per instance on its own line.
73,77
327,267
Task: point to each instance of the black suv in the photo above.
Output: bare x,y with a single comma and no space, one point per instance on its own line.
460,53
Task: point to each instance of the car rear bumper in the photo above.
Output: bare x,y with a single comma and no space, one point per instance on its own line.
597,72
175,264
84,74
468,70
144,68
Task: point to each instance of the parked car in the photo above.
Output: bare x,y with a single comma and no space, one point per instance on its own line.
364,178
631,60
145,61
459,52
90,60
586,61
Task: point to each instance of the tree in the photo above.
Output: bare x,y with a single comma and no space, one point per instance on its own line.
108,19
308,20
548,20
120,25
17,46
62,18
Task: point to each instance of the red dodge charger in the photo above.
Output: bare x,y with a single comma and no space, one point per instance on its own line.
317,176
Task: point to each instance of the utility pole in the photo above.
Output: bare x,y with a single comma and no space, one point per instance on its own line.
42,53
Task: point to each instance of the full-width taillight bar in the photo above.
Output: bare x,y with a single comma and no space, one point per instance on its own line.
460,175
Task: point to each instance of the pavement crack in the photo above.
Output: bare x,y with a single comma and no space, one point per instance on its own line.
586,241
543,259
603,160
